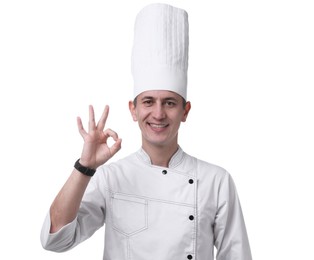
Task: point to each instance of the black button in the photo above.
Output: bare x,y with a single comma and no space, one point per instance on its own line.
164,172
191,217
191,181
190,257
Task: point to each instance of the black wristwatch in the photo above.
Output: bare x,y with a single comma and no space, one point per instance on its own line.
84,170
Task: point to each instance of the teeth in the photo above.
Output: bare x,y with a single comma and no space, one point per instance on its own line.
157,126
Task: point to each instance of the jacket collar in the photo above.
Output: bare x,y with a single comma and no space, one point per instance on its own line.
174,161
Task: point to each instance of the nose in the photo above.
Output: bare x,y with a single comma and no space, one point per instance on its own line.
158,111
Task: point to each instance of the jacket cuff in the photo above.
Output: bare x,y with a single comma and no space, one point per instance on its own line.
59,241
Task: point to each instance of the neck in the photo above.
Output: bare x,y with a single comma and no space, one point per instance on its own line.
160,156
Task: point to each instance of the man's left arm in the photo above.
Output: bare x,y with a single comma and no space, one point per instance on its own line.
231,239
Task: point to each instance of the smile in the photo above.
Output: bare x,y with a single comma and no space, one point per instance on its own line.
158,125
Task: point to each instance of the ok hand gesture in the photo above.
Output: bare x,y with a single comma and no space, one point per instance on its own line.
96,150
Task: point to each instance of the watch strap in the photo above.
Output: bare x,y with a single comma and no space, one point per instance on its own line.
84,170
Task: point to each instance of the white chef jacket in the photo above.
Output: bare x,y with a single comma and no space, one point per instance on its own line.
158,213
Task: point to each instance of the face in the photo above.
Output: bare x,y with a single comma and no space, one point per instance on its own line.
159,114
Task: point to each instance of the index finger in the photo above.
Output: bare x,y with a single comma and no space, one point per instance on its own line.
102,121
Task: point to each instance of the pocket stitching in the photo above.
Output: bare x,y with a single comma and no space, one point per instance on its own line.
127,198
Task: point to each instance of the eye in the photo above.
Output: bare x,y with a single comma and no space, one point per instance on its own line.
147,102
170,103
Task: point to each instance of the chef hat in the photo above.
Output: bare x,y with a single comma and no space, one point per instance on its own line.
160,49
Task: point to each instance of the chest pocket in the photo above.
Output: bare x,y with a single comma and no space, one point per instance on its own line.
129,214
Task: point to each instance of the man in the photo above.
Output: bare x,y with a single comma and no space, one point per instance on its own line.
158,203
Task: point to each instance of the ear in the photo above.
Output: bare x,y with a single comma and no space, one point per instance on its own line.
186,111
132,110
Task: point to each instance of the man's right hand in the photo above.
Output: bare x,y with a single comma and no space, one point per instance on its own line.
96,150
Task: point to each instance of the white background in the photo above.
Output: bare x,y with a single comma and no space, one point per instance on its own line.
250,84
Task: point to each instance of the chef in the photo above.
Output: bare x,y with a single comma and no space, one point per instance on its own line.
158,203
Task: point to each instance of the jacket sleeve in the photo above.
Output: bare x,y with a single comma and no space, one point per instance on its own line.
91,216
231,238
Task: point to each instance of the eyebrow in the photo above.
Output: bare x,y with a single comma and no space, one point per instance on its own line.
164,99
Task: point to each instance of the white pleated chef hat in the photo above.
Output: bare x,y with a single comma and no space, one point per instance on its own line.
160,49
